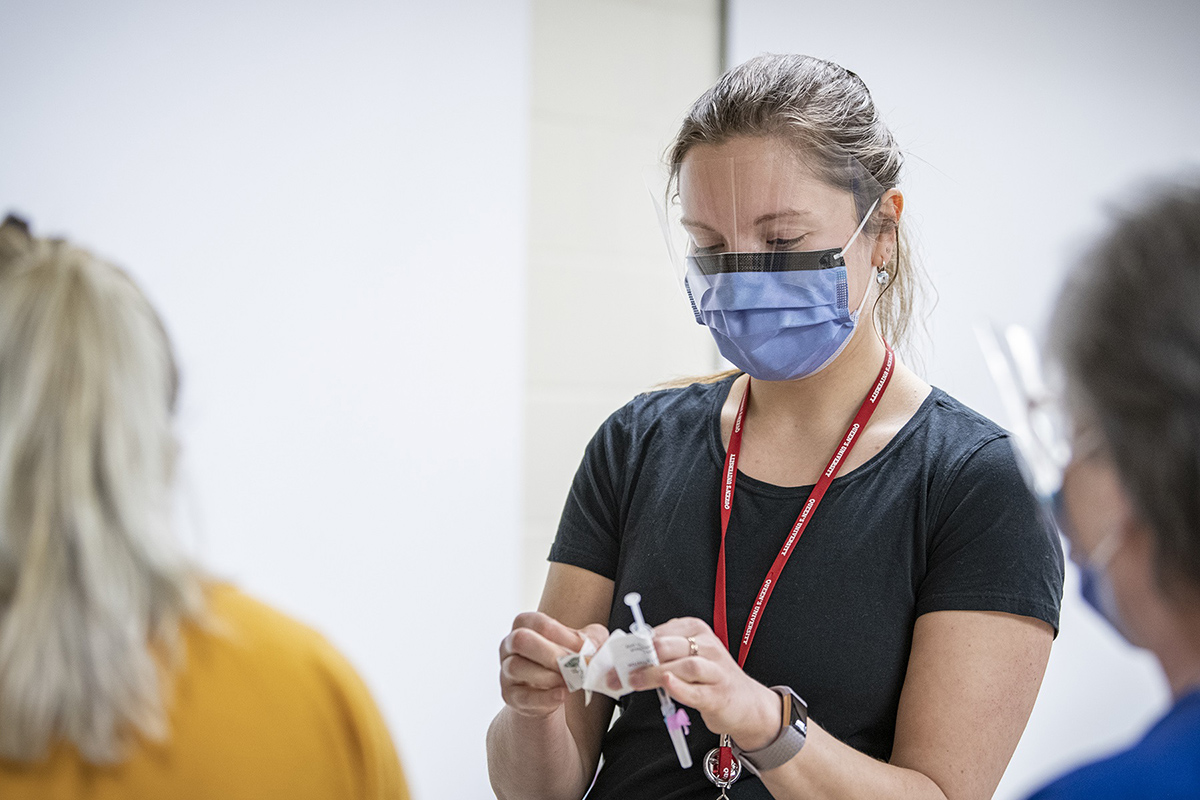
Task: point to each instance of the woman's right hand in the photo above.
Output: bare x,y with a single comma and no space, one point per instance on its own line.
530,682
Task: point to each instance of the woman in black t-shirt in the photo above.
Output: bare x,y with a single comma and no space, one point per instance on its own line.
822,522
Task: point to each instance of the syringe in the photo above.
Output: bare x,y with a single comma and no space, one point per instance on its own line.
676,719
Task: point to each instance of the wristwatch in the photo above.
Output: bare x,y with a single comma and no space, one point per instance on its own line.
791,736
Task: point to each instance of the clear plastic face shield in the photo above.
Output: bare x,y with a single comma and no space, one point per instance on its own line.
773,246
1047,441
1041,430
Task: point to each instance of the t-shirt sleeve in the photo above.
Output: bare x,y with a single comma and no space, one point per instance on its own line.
990,548
589,529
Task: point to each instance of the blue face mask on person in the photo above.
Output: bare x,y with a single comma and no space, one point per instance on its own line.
777,316
1097,591
1094,584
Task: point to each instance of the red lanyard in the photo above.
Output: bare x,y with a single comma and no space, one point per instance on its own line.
720,623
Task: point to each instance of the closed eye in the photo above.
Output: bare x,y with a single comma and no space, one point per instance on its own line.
786,244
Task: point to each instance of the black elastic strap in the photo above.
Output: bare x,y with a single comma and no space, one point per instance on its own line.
794,261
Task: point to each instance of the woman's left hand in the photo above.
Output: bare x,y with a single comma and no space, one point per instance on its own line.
706,678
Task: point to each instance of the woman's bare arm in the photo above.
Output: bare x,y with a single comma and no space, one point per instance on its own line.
545,743
972,680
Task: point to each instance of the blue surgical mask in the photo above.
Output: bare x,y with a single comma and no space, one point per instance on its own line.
776,316
1094,584
1097,591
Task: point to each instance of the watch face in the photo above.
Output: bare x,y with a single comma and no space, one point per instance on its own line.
798,713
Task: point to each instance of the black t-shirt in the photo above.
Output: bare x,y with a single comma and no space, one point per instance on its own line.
939,519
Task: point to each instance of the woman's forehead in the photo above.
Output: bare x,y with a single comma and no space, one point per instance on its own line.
753,177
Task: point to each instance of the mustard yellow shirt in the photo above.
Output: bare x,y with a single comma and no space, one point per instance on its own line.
262,708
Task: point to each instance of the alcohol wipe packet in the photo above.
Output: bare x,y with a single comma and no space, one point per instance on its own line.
623,652
573,666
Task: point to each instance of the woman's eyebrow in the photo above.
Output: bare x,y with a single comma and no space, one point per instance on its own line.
774,215
791,212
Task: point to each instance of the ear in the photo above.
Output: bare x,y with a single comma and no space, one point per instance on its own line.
1135,530
1119,507
891,206
1138,543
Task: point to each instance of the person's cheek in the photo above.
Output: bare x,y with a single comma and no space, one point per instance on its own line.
1091,493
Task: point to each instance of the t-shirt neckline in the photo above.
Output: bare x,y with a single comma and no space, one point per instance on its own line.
721,393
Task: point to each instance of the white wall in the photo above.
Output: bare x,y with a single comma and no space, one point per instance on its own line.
327,203
606,320
1020,119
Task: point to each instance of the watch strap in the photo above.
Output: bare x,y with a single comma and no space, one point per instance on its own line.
793,732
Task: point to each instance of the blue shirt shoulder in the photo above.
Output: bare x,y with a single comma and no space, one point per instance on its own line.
1164,765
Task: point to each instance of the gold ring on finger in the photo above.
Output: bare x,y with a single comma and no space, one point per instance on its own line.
693,648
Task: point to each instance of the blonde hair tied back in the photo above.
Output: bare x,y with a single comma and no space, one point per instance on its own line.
93,586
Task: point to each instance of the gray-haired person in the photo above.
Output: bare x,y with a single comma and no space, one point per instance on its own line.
1126,332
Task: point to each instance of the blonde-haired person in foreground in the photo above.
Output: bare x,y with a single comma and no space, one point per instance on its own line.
124,671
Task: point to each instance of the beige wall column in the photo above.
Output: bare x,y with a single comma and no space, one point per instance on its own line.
605,318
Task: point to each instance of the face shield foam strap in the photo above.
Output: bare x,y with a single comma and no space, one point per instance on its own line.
796,261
